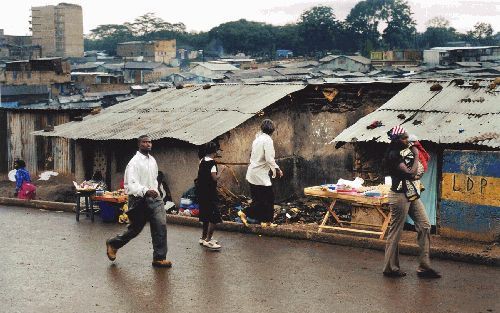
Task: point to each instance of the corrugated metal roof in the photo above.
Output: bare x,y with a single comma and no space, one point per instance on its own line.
436,116
356,58
19,90
218,66
195,115
142,65
452,98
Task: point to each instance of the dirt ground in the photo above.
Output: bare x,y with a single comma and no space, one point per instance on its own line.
59,189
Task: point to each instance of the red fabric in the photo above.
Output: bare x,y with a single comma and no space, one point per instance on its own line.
27,191
122,184
423,155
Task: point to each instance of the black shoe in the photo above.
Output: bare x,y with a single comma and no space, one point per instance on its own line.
395,274
428,273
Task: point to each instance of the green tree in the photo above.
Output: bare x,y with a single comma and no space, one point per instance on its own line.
382,23
400,31
438,22
288,37
482,33
149,23
438,33
318,28
109,30
244,36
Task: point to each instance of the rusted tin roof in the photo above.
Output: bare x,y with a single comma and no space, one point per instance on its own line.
454,114
195,115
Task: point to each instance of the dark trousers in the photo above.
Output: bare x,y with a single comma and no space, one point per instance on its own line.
141,211
262,207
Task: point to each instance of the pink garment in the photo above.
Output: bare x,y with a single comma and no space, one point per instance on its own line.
27,191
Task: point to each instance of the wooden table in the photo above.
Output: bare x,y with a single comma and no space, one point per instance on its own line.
88,195
380,204
112,199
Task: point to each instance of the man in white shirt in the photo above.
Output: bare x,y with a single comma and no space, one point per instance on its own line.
145,205
261,163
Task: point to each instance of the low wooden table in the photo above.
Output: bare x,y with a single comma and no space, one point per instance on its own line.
112,199
380,204
89,210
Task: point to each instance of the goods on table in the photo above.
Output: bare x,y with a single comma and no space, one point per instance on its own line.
86,186
356,187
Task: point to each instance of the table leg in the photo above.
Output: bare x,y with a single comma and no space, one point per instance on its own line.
327,215
77,208
91,209
87,206
325,219
335,216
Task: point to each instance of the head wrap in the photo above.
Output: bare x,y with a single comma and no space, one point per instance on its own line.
396,132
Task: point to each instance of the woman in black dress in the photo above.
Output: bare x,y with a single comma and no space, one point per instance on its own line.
208,175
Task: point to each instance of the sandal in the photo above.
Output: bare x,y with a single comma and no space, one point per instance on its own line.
395,274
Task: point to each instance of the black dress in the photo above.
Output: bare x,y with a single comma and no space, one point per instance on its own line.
207,193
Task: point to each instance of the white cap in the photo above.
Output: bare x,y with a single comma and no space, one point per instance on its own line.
412,138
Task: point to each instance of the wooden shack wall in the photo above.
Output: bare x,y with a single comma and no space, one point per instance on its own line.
21,144
3,143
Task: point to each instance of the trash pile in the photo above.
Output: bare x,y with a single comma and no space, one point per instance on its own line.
301,211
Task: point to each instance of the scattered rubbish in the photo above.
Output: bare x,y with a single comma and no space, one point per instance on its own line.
343,184
375,124
360,92
458,82
436,87
94,112
461,130
179,87
47,174
330,93
48,128
207,86
417,122
475,86
401,116
12,175
169,205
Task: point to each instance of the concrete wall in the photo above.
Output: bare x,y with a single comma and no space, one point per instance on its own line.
58,30
71,28
162,51
44,29
165,50
470,202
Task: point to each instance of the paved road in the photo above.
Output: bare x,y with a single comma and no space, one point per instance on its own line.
50,263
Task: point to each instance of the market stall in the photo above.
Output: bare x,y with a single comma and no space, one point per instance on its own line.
372,198
110,204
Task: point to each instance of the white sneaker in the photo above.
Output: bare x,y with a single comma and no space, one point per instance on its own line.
202,240
211,245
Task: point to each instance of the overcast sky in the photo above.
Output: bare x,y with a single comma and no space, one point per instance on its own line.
201,15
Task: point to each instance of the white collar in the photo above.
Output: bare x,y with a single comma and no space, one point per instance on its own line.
208,159
142,156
